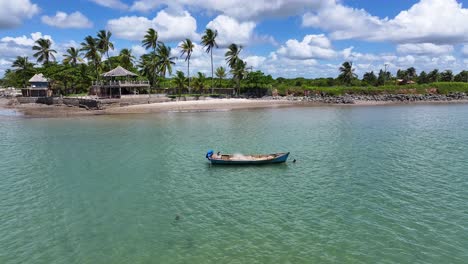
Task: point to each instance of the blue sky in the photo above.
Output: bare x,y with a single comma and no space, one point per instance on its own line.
295,38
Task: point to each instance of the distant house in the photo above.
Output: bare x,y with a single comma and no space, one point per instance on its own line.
404,82
38,87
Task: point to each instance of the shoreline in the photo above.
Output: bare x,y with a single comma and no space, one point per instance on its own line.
210,105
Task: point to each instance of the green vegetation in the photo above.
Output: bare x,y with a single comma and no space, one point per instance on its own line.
81,66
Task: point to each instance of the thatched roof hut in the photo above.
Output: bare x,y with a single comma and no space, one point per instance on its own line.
38,78
119,72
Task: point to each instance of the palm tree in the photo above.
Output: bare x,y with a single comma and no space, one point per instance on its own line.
347,72
44,52
148,66
239,72
150,40
199,82
232,55
220,73
72,57
209,42
187,49
165,61
104,43
90,46
180,80
24,68
126,58
411,72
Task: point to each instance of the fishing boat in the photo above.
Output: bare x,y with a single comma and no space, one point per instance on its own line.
238,159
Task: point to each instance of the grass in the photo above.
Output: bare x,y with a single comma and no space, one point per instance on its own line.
439,87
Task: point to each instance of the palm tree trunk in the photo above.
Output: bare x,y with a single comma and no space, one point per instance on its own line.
188,74
108,61
212,88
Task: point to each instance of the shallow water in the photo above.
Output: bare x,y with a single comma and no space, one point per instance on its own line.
371,184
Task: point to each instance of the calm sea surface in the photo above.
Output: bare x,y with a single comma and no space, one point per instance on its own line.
384,184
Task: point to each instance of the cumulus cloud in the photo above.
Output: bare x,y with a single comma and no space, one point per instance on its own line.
170,27
311,47
24,40
115,4
64,20
12,13
255,61
240,9
424,49
428,21
231,31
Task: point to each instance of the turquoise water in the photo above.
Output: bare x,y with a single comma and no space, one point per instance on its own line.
386,184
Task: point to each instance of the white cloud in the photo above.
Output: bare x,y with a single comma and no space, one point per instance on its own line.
64,20
428,21
137,51
12,13
424,49
231,31
25,41
240,9
170,27
255,61
114,4
311,47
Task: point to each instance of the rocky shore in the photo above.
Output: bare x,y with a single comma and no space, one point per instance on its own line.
382,98
209,104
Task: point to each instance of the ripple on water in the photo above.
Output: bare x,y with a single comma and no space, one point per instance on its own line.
370,185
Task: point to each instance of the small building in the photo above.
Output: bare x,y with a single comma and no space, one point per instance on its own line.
118,82
39,87
404,82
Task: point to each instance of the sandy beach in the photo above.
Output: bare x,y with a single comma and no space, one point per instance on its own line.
41,110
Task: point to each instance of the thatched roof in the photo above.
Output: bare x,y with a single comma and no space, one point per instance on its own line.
119,72
38,78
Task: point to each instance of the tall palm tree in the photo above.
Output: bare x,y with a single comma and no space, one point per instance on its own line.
232,55
165,61
150,40
90,46
126,58
220,73
347,72
44,51
187,49
180,80
24,68
209,42
104,43
72,57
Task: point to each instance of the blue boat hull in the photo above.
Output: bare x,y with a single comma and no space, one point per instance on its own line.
280,158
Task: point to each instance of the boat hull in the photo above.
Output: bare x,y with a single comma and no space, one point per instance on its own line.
279,158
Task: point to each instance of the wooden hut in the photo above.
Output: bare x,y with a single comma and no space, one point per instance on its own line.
39,87
117,82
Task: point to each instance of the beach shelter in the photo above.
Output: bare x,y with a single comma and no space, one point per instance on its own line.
121,72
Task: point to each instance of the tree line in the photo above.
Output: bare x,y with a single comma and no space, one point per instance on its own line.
75,75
